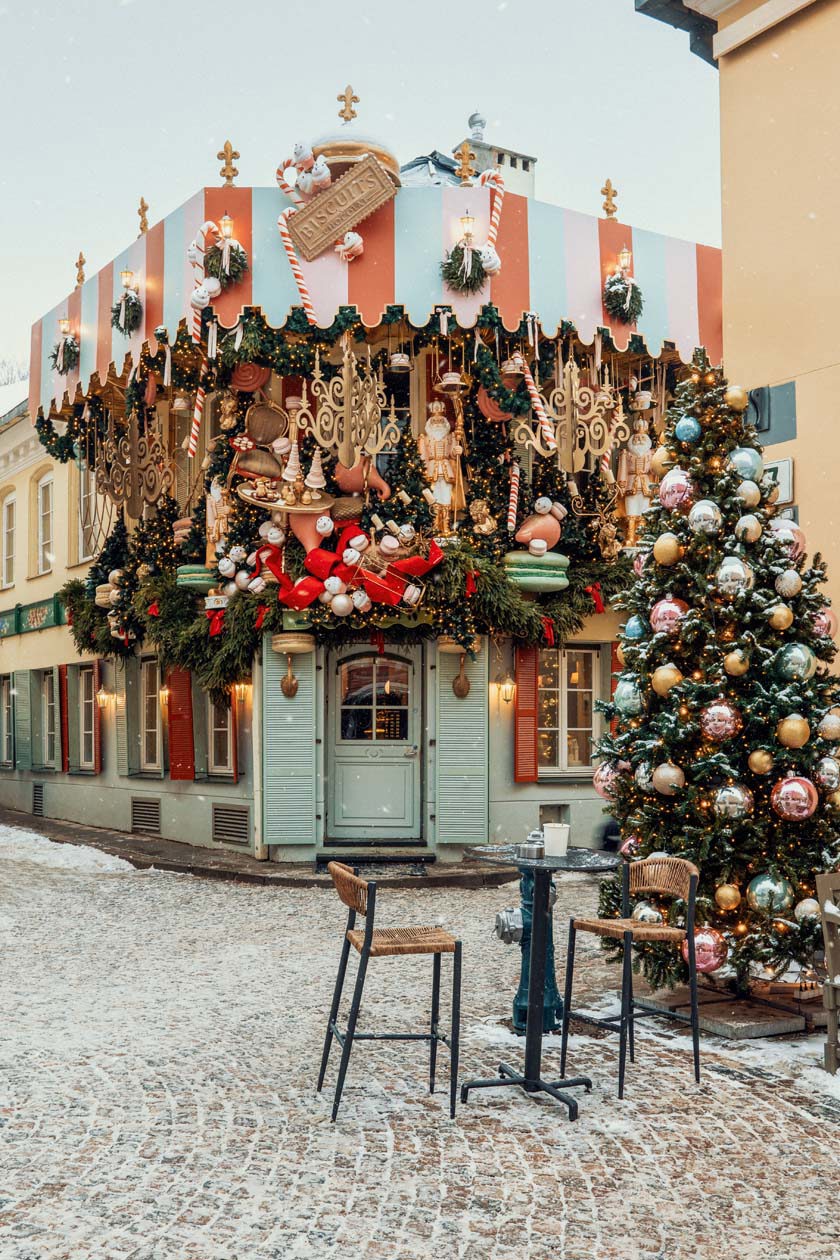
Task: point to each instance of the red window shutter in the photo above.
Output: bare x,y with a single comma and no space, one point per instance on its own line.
525,716
65,730
234,735
181,749
97,718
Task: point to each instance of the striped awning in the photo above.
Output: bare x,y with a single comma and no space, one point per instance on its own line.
554,263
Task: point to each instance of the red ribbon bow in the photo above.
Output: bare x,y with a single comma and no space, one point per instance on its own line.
216,617
261,614
595,591
154,609
548,630
471,586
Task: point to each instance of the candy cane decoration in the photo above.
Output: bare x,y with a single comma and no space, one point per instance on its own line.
206,237
494,181
513,499
198,411
537,404
291,254
283,186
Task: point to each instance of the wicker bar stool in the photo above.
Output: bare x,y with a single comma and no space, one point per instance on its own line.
359,896
668,876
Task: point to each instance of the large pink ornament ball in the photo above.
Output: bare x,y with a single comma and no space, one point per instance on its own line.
667,778
629,846
710,949
676,490
639,563
825,622
720,721
794,798
605,779
666,615
790,535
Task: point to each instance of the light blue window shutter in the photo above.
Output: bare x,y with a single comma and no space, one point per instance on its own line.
23,719
127,715
200,729
461,762
74,719
288,750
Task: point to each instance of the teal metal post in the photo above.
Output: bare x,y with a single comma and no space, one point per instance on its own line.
552,1001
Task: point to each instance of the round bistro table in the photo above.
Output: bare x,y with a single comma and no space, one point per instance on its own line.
584,861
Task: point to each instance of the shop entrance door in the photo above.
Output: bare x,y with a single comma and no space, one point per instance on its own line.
374,763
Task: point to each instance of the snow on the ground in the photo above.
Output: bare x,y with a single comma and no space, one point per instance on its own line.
11,395
18,845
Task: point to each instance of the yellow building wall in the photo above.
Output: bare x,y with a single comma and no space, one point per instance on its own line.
780,119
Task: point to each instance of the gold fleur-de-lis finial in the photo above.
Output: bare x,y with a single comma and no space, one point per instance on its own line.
80,270
227,155
464,170
609,194
348,99
141,214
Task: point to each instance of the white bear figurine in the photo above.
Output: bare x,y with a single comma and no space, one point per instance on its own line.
303,156
490,260
321,177
203,294
350,247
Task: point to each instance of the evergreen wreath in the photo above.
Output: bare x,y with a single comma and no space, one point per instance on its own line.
454,273
69,355
623,298
237,264
133,313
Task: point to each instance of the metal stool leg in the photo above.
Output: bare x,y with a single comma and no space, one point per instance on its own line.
631,1024
434,1022
455,1038
336,1002
626,986
695,1015
567,995
351,1029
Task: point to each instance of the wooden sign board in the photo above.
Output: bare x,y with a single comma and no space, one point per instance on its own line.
352,198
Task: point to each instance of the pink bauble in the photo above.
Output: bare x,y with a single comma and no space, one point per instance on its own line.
794,798
676,490
639,563
666,615
629,846
789,533
720,721
825,622
710,949
605,779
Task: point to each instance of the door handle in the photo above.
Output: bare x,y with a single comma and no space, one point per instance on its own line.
412,751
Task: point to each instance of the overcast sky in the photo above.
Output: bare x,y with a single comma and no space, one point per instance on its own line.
104,100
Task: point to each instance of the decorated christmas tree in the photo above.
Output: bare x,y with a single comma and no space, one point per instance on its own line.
723,742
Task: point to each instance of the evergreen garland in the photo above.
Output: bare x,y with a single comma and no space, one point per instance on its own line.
133,313
237,264
622,299
454,271
69,355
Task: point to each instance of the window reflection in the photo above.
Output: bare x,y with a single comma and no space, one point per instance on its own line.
375,694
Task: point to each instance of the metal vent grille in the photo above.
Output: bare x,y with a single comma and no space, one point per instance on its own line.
145,815
38,799
231,824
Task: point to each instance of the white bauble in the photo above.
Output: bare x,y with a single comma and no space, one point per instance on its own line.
115,577
788,583
407,534
748,527
749,494
242,580
230,589
115,596
342,605
325,597
807,908
705,517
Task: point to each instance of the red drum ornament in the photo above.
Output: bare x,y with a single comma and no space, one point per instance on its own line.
710,950
794,798
247,377
720,721
667,614
489,408
676,490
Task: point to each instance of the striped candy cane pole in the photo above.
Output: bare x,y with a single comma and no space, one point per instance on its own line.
206,236
537,405
198,410
289,246
606,463
497,187
513,500
283,186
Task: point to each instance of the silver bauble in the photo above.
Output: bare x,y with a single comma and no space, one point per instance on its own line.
644,777
705,517
644,912
826,774
767,892
788,584
733,800
748,528
733,576
807,908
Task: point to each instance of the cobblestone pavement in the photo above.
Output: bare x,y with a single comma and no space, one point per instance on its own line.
158,1049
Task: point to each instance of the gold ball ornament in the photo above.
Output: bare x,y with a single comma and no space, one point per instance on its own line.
736,663
780,617
662,459
728,896
667,549
832,802
664,678
737,398
793,731
619,654
760,761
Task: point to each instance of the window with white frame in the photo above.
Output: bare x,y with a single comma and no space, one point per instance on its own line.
7,561
87,706
567,724
150,728
87,504
7,719
48,718
220,729
45,524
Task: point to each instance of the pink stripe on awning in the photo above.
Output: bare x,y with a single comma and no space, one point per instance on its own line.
584,284
457,202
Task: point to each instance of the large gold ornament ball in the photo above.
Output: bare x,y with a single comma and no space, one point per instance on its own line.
737,398
793,731
780,617
662,459
664,678
667,549
619,654
736,663
760,761
832,802
728,896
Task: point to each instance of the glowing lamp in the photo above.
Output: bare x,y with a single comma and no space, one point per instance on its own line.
102,697
625,258
467,225
507,688
64,327
164,694
242,689
226,227
127,278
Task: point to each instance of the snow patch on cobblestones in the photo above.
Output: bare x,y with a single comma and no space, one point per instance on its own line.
18,845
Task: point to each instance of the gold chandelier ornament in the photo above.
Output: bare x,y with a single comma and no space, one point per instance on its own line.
347,418
133,468
587,422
